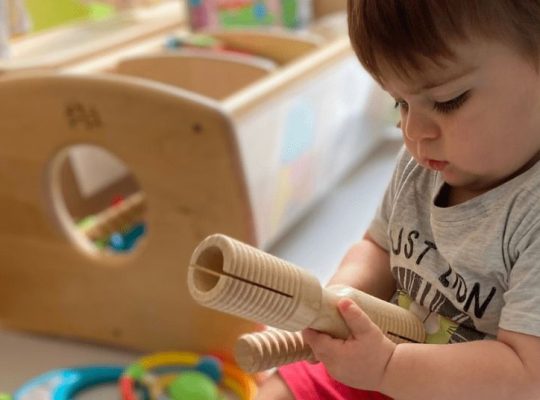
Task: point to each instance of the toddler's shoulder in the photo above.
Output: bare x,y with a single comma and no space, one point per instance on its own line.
522,204
528,188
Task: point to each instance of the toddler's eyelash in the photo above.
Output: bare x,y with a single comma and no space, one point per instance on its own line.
451,105
401,104
442,107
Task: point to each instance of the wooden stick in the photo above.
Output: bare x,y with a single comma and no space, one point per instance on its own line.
114,218
241,280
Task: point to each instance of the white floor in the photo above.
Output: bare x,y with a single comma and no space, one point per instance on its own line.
317,243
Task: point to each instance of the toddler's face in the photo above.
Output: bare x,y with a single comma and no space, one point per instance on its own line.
476,119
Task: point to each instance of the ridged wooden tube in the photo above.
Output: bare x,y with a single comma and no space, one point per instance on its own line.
259,351
238,279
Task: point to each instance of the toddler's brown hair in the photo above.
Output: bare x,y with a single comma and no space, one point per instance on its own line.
405,34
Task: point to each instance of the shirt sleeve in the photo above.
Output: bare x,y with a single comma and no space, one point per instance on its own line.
521,312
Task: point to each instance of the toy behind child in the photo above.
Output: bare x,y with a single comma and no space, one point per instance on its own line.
210,14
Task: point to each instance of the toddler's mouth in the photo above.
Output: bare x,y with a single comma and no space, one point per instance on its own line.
437,165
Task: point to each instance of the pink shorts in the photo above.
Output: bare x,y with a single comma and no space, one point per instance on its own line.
311,381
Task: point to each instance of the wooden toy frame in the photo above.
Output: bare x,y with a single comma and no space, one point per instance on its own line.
140,301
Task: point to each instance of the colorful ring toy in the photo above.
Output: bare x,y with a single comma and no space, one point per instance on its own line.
63,384
143,372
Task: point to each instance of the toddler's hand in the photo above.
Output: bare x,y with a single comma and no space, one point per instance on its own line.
359,361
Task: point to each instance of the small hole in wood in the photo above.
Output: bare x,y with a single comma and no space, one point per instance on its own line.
197,128
211,263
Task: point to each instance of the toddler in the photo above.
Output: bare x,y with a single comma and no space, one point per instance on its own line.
456,239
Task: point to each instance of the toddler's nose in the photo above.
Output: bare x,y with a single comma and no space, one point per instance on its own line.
418,127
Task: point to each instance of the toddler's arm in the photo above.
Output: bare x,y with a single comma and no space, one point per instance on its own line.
506,368
366,266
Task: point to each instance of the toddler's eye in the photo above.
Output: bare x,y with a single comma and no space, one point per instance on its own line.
451,105
401,104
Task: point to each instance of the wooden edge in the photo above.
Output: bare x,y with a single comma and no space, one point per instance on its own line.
272,33
322,8
245,100
211,73
255,62
109,60
278,44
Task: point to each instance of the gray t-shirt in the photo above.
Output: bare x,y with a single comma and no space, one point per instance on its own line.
468,269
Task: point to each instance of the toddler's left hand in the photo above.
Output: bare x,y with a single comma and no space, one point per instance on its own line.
359,361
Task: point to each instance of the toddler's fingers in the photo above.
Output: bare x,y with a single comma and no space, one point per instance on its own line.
321,344
310,336
356,319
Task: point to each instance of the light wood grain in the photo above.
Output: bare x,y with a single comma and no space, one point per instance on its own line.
210,73
322,8
282,295
278,45
52,285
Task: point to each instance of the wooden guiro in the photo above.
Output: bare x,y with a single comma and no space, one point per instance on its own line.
233,277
